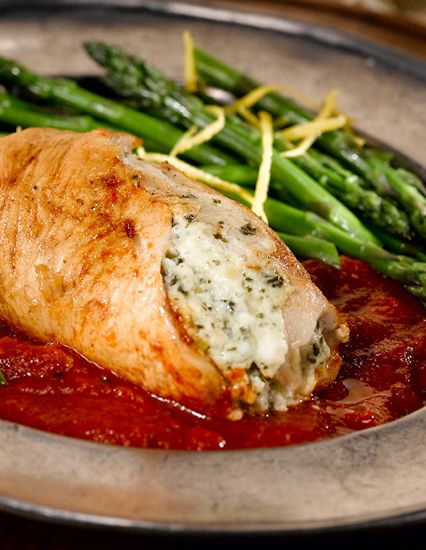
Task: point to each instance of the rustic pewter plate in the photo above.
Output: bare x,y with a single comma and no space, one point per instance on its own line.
375,477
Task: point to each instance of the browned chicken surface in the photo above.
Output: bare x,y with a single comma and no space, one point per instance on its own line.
155,276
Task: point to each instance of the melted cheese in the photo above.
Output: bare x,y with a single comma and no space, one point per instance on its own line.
232,303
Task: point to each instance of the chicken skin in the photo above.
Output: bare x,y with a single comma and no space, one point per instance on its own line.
155,276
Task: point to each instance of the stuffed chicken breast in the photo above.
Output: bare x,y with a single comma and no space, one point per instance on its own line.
155,276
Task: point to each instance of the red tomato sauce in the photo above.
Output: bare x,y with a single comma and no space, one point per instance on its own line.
383,377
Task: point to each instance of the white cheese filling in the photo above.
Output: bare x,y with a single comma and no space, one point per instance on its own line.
231,302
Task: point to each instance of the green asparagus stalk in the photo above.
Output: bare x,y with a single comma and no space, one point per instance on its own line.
404,269
348,187
20,113
131,77
68,92
398,246
383,177
312,248
409,196
242,174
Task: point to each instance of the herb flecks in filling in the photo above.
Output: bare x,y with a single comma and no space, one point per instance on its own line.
248,229
314,353
230,300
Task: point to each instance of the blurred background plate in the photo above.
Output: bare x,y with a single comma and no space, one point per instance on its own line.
373,478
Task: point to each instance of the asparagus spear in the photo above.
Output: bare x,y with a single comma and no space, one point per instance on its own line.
305,247
411,273
218,73
68,92
349,188
397,246
409,196
236,173
386,179
16,112
131,77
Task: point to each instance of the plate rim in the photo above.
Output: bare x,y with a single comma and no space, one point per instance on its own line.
393,517
394,58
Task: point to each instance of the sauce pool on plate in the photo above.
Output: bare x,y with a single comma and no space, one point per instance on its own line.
383,377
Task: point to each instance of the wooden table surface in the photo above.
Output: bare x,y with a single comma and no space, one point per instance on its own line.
406,34
404,31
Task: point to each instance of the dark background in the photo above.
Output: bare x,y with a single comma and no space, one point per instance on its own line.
18,533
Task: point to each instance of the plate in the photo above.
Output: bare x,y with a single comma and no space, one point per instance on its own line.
371,478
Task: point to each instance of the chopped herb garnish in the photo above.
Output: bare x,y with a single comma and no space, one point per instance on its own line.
3,381
217,201
247,229
220,237
189,218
